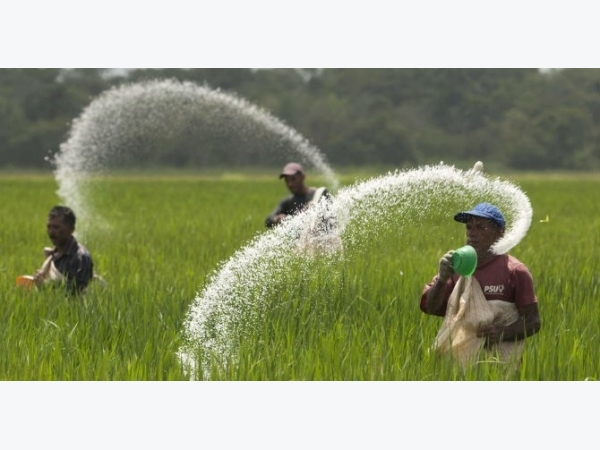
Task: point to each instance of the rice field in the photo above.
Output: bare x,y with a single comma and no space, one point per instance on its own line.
160,238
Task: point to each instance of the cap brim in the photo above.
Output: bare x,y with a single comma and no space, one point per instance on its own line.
286,174
463,217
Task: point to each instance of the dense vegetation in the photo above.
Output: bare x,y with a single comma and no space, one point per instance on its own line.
520,119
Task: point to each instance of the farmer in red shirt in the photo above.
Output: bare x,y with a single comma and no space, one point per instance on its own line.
501,277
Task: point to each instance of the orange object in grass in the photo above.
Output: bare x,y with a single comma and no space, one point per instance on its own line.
25,281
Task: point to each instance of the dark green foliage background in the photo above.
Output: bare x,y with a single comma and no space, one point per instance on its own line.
521,119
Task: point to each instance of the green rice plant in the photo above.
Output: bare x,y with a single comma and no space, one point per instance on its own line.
158,239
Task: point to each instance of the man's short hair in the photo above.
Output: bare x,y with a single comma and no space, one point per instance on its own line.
65,212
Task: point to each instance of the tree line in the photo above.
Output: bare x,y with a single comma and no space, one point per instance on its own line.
521,119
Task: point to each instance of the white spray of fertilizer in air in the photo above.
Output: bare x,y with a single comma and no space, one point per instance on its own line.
233,300
112,125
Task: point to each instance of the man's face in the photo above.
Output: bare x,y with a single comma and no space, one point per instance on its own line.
482,234
294,182
59,231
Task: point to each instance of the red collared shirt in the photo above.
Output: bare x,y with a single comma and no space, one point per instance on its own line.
503,278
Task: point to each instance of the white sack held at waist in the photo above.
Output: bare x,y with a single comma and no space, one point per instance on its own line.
467,312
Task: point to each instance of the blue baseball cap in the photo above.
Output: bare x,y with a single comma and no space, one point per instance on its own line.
485,210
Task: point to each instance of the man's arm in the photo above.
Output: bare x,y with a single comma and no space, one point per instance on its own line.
274,218
435,298
40,275
528,324
80,274
277,215
437,293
